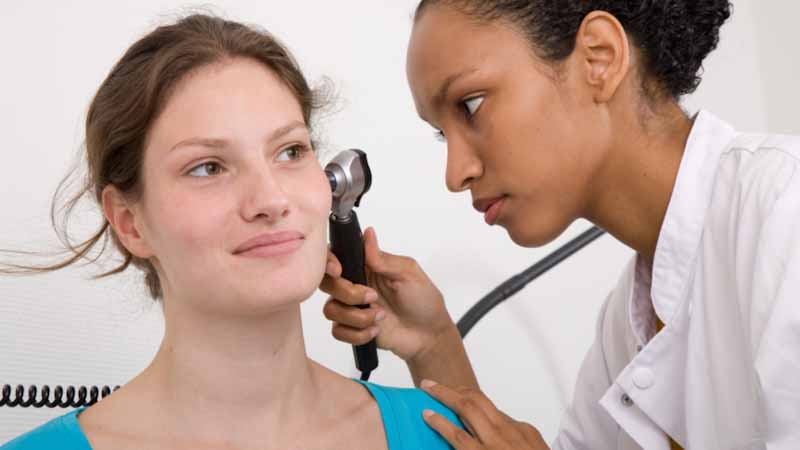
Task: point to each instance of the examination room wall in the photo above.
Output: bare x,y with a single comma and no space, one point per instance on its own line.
64,328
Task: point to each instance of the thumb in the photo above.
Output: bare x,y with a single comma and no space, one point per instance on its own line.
389,266
372,252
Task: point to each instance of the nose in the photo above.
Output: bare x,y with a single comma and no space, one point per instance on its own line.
264,197
463,166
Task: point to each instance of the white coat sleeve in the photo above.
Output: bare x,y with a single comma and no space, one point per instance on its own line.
776,330
586,425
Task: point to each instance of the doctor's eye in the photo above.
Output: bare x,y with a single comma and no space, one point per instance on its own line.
471,105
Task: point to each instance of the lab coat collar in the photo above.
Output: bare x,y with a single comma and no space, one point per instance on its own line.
679,239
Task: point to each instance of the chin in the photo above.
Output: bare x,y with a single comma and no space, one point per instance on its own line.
272,292
536,233
273,300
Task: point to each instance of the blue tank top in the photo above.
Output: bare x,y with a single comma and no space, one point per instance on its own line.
401,411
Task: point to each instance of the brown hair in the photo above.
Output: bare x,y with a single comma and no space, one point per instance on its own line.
128,102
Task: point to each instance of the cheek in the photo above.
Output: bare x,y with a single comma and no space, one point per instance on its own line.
314,206
186,222
518,140
310,195
535,149
547,132
316,194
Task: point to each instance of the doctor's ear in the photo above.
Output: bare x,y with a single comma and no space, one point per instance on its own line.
125,220
601,45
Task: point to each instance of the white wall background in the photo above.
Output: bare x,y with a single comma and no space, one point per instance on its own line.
66,329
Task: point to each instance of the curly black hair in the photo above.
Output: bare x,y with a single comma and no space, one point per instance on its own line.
672,36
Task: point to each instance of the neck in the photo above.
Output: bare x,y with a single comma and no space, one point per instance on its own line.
635,185
216,374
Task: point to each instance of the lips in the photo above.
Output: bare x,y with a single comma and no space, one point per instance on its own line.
271,243
490,207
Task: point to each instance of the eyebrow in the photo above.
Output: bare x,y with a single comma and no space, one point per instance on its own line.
286,129
222,143
441,95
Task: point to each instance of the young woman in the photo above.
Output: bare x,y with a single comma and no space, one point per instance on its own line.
199,153
554,111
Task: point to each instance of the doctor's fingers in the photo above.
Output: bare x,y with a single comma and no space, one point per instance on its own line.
491,428
513,436
355,336
380,265
387,265
333,267
354,317
475,410
346,292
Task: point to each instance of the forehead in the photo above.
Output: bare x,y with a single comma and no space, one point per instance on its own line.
226,97
445,42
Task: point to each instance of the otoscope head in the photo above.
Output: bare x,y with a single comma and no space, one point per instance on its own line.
350,178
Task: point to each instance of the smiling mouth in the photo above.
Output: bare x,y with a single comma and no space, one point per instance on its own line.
273,249
271,244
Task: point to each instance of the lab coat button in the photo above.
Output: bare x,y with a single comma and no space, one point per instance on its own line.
643,378
626,400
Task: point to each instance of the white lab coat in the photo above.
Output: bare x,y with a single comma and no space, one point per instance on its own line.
724,373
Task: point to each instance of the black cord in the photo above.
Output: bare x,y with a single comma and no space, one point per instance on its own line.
61,398
519,281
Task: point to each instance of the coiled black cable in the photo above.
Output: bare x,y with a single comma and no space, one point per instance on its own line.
61,398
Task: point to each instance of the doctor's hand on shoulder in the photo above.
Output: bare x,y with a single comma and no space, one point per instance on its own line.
487,428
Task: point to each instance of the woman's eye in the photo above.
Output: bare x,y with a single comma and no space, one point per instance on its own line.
472,104
293,153
207,169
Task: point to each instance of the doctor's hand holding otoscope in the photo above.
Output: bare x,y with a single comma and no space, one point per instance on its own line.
355,261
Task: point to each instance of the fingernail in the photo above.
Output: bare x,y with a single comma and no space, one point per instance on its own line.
380,316
370,297
427,384
428,413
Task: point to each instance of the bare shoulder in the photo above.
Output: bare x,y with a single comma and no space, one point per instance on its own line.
351,416
112,423
346,417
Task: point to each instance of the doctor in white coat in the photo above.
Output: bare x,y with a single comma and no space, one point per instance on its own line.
554,111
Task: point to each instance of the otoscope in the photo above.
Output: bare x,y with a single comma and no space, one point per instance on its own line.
350,179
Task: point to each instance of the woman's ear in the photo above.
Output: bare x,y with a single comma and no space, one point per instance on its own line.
602,46
123,219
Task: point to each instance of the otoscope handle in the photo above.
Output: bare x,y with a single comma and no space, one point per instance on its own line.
347,243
